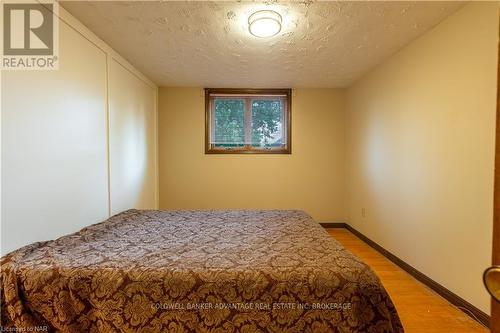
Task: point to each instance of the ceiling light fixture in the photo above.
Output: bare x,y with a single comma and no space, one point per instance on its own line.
264,23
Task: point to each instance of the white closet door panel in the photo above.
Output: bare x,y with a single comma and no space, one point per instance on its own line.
132,140
54,162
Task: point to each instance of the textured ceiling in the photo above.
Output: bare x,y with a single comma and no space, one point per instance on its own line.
207,44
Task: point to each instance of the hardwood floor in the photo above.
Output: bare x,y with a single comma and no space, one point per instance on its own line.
421,310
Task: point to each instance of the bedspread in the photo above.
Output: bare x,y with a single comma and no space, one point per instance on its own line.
194,271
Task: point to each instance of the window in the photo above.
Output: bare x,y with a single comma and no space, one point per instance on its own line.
239,121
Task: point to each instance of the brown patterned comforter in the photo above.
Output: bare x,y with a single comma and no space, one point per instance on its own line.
194,271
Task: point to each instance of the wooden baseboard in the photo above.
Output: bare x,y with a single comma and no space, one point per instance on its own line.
334,225
453,298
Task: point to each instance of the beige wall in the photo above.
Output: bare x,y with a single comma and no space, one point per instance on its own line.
420,151
55,175
311,178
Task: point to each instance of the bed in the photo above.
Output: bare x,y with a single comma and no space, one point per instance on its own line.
194,271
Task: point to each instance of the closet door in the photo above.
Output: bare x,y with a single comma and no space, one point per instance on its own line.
132,140
54,148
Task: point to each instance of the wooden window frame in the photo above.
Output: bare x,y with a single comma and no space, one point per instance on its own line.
248,149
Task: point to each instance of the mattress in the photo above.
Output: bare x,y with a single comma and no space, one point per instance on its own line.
194,271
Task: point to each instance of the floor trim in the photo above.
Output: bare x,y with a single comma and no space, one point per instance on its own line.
453,298
334,225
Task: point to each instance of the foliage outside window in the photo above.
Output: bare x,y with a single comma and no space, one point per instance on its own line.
247,121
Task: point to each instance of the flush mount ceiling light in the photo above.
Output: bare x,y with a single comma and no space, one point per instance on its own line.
264,23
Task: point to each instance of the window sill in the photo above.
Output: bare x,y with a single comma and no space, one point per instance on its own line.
248,151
